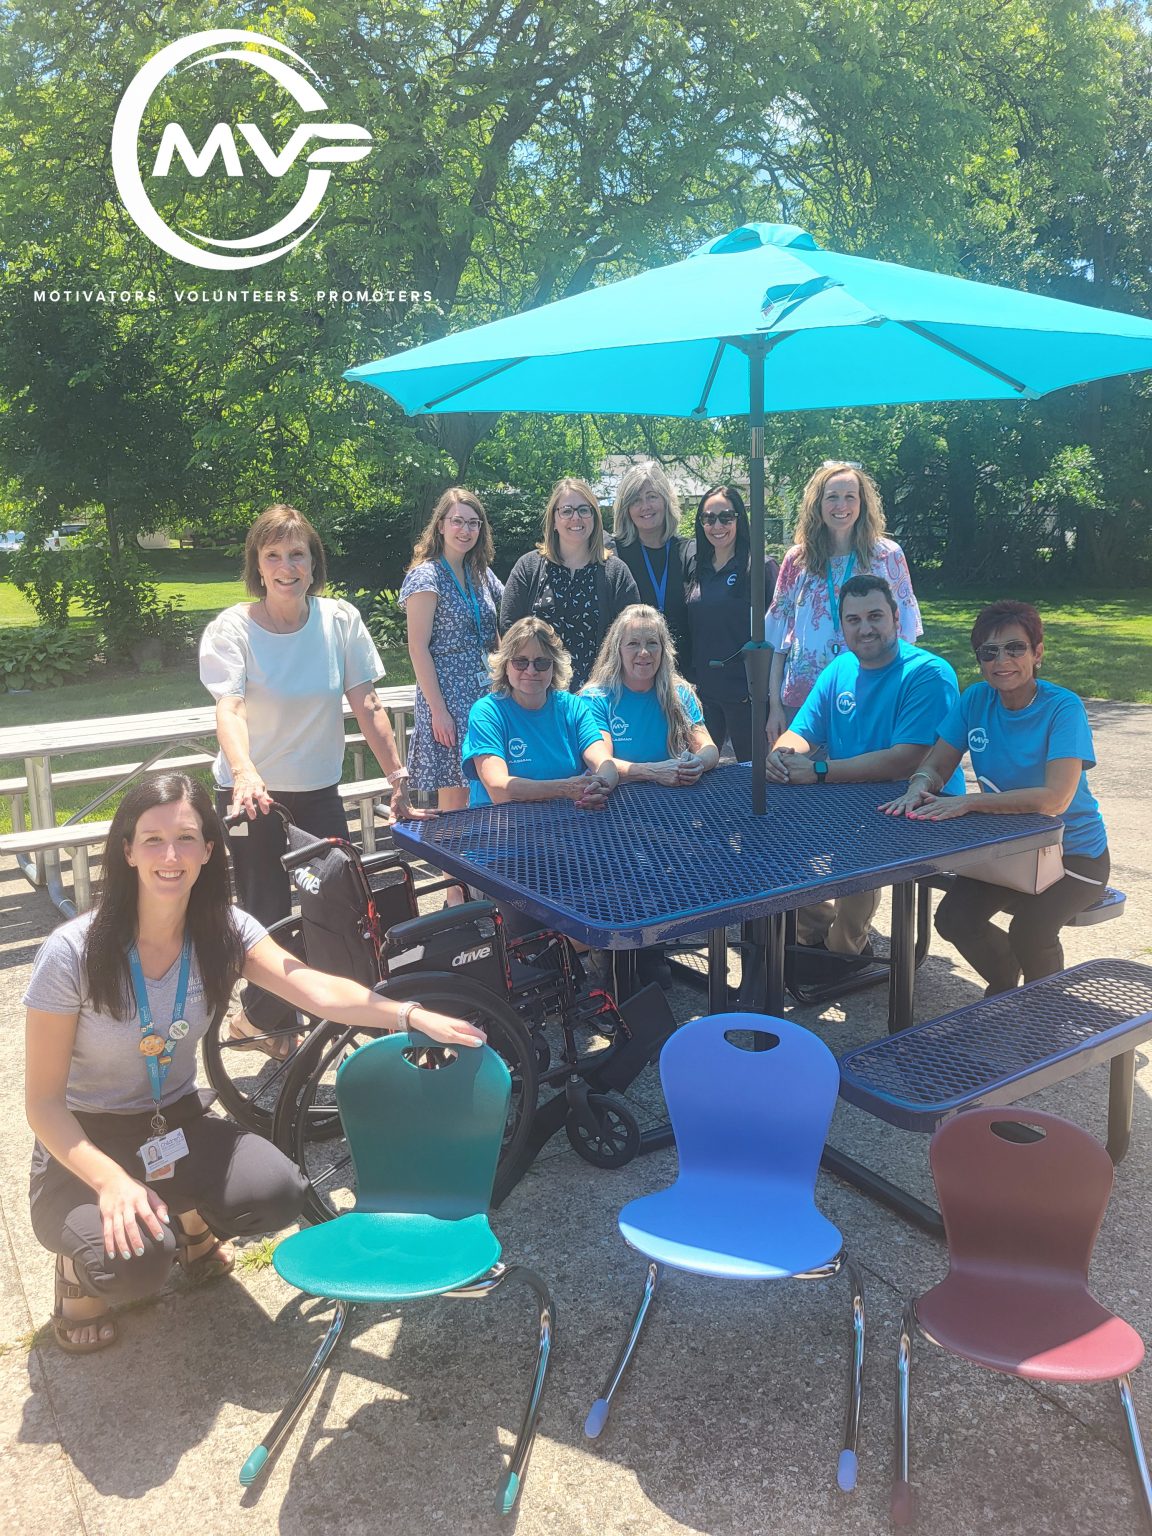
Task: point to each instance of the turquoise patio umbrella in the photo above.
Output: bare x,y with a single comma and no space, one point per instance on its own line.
762,320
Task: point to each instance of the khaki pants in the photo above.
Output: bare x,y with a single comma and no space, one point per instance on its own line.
840,925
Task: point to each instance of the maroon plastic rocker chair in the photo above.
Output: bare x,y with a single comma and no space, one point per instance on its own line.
1022,1201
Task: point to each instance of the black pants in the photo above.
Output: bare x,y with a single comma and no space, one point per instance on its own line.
262,886
238,1182
732,718
1032,944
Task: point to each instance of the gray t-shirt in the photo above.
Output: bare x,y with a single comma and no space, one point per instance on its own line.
108,1073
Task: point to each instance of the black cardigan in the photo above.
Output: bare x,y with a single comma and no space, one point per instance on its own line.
615,590
681,575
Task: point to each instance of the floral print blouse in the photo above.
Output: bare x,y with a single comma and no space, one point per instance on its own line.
801,623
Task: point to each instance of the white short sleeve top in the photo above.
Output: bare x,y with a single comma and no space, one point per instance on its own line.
292,687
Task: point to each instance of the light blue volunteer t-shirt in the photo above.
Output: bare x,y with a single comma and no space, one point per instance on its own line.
544,743
854,709
1010,749
635,724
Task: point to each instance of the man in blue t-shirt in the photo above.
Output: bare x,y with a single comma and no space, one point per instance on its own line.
872,712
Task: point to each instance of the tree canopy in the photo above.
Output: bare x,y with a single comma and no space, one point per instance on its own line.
524,151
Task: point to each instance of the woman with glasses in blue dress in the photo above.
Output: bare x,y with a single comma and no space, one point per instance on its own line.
1030,747
570,581
451,598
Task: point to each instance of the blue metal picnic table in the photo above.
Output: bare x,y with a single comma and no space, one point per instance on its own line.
659,863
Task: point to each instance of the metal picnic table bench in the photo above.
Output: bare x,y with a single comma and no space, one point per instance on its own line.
997,1051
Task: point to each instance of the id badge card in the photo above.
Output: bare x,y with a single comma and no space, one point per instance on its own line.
483,679
161,1153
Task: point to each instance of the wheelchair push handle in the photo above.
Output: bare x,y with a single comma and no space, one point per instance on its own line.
242,819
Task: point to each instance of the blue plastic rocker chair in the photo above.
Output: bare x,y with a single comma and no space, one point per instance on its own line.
424,1125
750,1127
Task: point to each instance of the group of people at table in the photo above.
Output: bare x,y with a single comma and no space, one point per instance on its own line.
587,669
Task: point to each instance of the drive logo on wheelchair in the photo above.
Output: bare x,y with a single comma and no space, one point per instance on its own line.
471,955
306,880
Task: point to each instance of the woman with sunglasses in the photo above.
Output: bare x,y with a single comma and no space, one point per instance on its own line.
570,581
649,716
840,533
1030,745
451,598
646,515
718,610
529,739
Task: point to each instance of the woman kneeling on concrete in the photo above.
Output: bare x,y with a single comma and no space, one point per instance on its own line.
1030,745
129,1173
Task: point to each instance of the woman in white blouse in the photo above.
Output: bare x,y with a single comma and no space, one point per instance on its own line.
278,669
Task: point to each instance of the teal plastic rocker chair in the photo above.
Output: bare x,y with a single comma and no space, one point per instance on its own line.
424,1124
750,1128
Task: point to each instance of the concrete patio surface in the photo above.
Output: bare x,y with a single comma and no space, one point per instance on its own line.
729,1419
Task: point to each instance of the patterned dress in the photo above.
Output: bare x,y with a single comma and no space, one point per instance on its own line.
460,655
801,622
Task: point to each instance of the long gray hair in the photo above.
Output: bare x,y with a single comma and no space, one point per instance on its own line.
608,673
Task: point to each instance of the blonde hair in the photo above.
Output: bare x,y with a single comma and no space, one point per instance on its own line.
530,628
549,545
282,522
633,483
430,544
608,672
811,531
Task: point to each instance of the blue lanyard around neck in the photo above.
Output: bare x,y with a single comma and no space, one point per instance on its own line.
468,597
659,587
833,602
160,1064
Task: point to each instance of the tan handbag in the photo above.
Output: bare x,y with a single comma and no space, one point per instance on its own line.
1030,872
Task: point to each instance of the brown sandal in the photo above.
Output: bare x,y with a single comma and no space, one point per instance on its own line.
209,1265
62,1326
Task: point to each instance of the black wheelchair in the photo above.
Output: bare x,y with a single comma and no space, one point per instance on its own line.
532,997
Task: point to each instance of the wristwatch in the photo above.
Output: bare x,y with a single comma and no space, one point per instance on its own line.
820,769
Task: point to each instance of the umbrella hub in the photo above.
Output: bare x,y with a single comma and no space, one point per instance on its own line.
750,237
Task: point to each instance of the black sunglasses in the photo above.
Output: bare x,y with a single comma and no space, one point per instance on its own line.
537,663
1011,648
723,518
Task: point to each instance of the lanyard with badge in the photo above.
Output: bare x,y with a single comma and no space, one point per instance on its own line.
837,644
163,1147
470,598
660,588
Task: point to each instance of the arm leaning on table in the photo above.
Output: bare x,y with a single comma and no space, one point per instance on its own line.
563,734
922,801
588,790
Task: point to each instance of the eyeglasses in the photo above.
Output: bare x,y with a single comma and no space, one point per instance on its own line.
537,663
723,518
1011,648
575,514
464,524
841,464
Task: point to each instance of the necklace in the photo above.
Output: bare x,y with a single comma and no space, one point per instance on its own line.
274,624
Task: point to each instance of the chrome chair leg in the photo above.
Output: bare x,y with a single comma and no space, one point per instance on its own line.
848,1465
598,1413
513,1480
256,1464
1140,1461
903,1506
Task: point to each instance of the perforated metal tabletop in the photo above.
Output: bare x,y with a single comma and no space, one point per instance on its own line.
658,863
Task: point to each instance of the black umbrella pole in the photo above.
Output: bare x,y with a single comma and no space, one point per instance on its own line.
757,655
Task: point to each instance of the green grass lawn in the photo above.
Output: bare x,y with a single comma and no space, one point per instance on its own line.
200,582
1099,645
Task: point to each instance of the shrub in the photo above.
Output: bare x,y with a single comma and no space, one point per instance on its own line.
43,658
382,614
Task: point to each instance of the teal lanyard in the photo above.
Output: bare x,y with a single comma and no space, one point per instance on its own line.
833,604
660,588
159,1058
468,597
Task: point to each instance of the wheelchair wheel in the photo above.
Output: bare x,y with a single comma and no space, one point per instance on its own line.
306,1124
247,1081
616,1138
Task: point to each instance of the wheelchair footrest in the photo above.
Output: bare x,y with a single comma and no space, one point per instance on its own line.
650,1022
